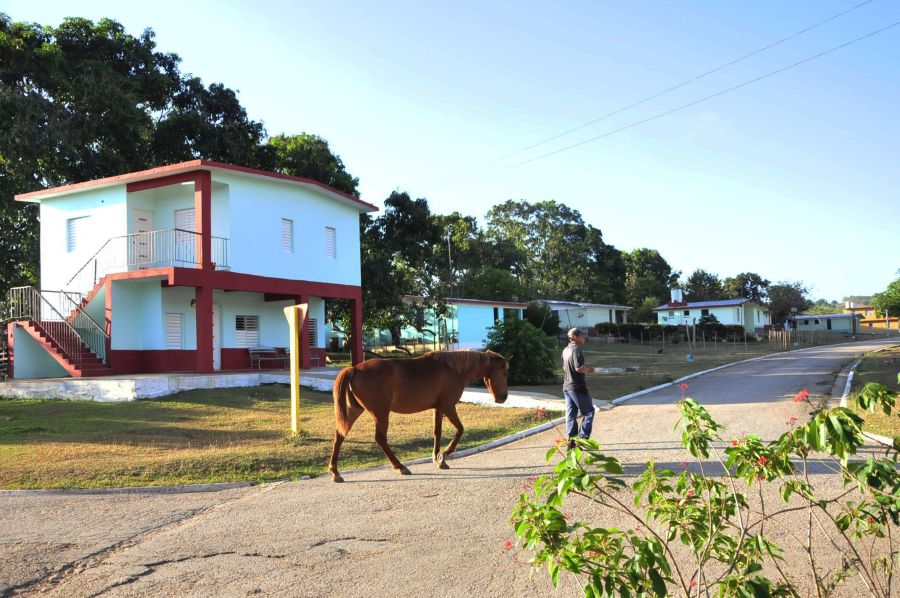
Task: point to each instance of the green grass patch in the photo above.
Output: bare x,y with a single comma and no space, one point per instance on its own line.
205,436
881,367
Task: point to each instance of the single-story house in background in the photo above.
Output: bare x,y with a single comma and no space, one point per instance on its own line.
751,315
586,315
464,326
870,320
183,268
830,322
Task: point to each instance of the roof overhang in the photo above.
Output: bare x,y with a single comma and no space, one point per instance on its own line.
195,165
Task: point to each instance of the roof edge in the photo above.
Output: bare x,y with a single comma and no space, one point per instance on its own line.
169,169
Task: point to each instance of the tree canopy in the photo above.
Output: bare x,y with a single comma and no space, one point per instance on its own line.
888,301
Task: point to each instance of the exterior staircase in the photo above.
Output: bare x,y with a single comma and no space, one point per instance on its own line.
75,341
75,357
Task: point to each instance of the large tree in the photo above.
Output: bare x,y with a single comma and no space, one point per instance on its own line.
888,301
564,257
86,100
703,286
648,280
309,156
786,299
746,285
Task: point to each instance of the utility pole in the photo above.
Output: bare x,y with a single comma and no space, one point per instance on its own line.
450,259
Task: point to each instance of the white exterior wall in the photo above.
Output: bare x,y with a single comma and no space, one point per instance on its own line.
729,315
256,210
163,201
105,209
837,325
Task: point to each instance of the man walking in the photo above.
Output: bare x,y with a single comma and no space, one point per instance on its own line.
578,400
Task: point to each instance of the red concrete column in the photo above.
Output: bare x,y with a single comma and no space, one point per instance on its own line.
304,332
203,316
10,350
356,348
203,217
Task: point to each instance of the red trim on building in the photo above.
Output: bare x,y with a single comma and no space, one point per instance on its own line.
171,171
125,361
10,354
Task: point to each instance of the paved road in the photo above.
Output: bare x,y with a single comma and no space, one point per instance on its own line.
435,533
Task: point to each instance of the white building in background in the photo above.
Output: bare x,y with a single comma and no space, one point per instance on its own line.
752,315
574,314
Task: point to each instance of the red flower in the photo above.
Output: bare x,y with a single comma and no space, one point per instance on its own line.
762,460
559,441
683,464
684,386
689,493
734,443
693,584
507,546
793,420
801,396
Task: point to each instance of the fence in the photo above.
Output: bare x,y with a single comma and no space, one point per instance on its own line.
785,339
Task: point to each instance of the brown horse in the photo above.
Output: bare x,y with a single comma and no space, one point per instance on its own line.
432,381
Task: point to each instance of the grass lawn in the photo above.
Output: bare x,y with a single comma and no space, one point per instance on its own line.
881,367
208,436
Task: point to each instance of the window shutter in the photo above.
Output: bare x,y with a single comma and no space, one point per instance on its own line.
76,233
313,327
185,220
330,239
287,235
246,331
173,331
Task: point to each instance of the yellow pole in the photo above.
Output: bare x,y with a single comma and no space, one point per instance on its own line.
296,317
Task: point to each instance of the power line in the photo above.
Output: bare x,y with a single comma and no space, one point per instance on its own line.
680,85
701,100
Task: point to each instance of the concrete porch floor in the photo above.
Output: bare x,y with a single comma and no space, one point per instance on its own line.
151,386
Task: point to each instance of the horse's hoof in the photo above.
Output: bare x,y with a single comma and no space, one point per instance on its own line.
404,471
443,465
337,478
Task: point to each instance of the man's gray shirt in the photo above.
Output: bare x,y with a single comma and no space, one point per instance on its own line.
573,358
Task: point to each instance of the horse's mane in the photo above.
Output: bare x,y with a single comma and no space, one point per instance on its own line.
463,361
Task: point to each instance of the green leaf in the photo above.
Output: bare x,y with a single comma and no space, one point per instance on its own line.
659,584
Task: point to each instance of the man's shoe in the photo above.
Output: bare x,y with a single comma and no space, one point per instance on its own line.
571,444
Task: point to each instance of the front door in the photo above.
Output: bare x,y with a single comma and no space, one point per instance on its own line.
217,338
140,252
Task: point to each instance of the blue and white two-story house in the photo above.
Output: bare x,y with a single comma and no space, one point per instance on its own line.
183,268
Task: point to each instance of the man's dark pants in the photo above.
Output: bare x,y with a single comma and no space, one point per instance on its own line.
577,402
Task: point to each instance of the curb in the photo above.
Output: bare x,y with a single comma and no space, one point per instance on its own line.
875,437
187,488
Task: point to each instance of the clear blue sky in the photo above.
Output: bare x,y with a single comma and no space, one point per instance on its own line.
795,177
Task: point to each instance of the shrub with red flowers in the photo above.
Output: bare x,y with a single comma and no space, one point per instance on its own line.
710,517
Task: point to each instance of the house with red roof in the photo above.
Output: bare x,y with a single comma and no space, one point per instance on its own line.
183,268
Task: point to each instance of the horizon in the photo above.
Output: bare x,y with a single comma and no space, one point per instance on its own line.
790,177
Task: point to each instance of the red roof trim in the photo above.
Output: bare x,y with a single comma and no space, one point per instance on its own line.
172,169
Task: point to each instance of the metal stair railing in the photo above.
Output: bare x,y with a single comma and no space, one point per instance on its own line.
27,303
151,249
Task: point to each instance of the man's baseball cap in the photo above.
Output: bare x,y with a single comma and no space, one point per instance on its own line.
572,333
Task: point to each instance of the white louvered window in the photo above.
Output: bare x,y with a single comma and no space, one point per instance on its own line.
76,233
246,331
185,220
174,336
287,235
313,327
330,240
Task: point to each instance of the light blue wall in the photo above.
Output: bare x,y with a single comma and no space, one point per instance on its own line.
105,209
32,360
474,322
257,208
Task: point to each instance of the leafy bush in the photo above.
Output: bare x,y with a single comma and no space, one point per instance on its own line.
729,539
543,317
534,354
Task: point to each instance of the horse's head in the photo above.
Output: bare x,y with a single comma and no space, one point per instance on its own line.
496,377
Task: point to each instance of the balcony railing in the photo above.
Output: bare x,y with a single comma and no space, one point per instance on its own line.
152,249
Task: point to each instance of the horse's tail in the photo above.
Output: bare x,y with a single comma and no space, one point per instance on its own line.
344,401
